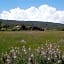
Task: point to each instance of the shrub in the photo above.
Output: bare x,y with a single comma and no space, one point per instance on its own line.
3,29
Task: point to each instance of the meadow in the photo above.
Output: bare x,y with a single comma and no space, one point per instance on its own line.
30,39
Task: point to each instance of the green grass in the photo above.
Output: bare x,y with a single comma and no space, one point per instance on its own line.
32,38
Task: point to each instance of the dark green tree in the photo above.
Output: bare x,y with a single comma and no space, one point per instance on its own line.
23,27
0,25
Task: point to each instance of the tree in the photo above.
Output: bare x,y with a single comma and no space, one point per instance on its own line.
23,27
0,25
6,26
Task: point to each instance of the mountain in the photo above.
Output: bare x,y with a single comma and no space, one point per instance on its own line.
42,24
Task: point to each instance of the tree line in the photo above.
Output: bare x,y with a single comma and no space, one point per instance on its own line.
12,27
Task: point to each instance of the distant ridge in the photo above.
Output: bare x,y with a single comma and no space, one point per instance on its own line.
41,24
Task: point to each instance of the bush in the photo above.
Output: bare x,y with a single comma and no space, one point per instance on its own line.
3,29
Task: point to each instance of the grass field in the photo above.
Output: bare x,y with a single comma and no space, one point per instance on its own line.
32,38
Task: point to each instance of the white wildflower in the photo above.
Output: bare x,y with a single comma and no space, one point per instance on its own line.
14,56
59,61
8,61
29,49
23,41
48,58
32,55
24,50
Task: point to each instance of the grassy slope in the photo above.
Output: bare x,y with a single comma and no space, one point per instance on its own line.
32,38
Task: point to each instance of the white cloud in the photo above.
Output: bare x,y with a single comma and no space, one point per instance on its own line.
41,13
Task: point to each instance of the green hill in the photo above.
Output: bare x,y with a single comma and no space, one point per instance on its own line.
41,24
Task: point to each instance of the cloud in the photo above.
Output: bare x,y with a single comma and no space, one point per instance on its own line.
42,13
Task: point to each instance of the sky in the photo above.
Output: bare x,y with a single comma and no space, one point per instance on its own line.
37,10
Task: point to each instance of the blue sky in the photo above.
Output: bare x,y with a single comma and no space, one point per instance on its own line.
10,4
33,10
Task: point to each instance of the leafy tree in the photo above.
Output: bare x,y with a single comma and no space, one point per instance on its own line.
23,27
0,25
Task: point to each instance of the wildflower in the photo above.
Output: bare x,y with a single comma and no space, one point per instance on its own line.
8,60
30,60
59,61
42,48
24,50
55,56
62,56
32,55
48,58
29,49
14,56
43,53
50,54
23,41
50,45
57,49
12,50
23,47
